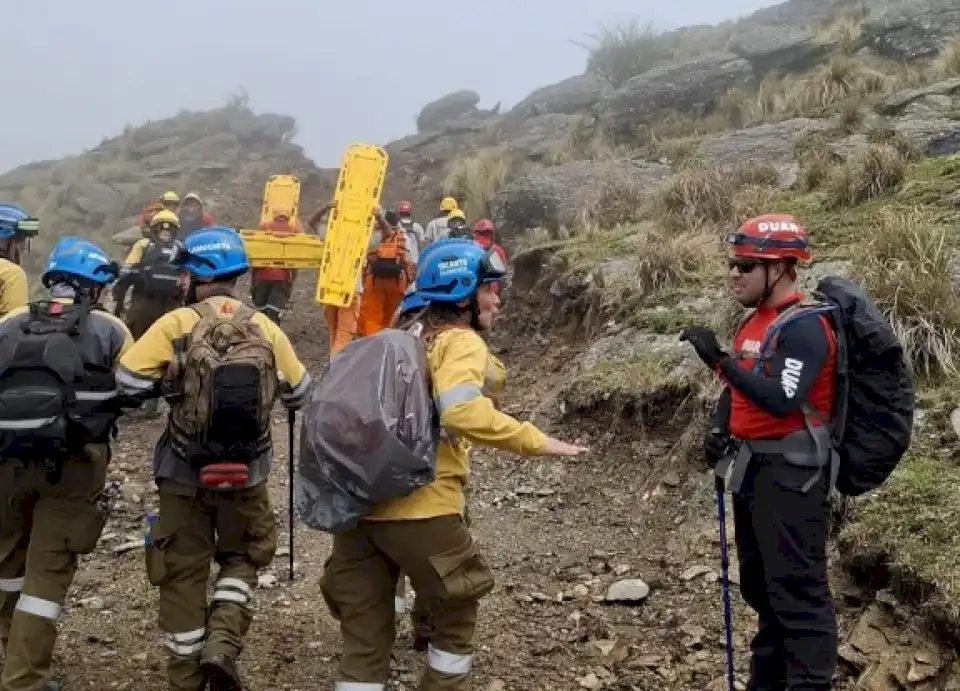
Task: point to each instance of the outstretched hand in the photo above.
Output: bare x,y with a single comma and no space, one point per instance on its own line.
555,447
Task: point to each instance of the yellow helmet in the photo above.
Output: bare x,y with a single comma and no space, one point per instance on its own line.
164,219
170,196
449,204
456,213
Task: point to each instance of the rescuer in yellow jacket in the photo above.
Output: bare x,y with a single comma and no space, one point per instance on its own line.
214,500
423,534
15,227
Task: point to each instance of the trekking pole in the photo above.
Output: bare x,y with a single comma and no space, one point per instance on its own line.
725,572
291,422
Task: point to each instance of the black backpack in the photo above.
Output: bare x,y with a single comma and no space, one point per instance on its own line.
159,277
40,366
875,391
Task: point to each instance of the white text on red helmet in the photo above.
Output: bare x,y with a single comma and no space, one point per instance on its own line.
776,226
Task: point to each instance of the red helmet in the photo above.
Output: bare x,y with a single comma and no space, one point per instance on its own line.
483,226
405,208
771,236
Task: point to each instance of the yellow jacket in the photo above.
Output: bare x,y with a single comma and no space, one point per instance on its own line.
146,363
463,373
13,286
136,252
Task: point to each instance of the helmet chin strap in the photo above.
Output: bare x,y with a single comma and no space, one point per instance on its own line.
767,287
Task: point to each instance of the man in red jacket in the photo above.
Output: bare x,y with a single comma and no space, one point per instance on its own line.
483,232
773,415
271,287
192,216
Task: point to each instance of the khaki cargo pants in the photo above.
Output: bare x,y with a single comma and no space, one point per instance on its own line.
143,311
238,530
44,525
359,584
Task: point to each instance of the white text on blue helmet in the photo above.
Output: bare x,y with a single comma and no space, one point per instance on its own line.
452,265
211,247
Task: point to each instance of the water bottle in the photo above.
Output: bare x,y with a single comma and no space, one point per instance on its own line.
152,519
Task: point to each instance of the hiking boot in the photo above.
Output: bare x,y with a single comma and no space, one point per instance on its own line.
421,643
52,685
221,673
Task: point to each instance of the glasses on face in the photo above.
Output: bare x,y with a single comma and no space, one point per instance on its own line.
744,266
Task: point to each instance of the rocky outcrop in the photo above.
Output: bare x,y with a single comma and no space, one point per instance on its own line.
225,155
911,29
938,96
933,137
562,195
691,87
772,144
574,95
452,106
780,48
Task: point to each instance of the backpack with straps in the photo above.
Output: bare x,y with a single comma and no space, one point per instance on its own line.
223,382
370,431
40,368
387,260
159,277
875,393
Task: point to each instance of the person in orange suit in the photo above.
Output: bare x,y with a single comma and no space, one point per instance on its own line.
341,321
271,287
390,269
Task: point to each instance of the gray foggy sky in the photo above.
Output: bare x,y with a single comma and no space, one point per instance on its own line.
72,73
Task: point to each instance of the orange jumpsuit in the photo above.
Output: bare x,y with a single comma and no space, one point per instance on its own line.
388,272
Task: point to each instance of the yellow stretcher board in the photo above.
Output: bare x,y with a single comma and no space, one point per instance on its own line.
350,225
281,195
266,249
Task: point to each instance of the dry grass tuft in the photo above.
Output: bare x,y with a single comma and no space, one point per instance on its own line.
817,161
878,170
622,51
586,140
667,260
478,179
947,63
716,195
843,30
907,269
619,199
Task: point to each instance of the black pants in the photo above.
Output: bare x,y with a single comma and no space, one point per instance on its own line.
781,535
270,297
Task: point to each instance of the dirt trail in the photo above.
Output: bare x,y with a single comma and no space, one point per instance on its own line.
557,534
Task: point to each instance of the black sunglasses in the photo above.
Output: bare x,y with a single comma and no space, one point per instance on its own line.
744,266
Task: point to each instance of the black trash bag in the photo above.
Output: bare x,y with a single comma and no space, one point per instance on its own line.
370,431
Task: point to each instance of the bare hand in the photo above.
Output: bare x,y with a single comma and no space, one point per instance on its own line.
555,447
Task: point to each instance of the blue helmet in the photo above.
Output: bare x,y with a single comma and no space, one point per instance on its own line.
412,302
214,253
10,217
74,257
452,270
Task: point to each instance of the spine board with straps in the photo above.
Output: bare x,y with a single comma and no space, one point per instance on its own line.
350,226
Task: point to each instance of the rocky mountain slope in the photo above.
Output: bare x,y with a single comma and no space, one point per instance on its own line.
612,190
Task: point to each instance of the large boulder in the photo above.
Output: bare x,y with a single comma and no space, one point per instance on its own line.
911,29
574,95
780,48
936,96
535,137
771,143
691,87
452,106
562,195
933,137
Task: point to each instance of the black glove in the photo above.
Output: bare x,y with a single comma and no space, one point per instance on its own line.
706,345
716,445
